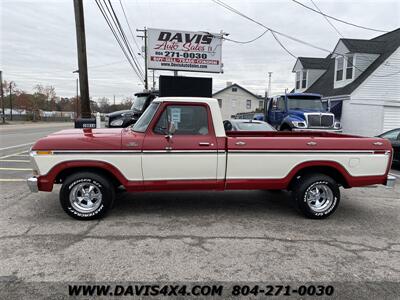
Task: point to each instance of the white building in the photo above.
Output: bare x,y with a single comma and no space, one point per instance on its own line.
235,99
361,78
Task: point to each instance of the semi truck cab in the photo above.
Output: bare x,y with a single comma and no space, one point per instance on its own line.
301,111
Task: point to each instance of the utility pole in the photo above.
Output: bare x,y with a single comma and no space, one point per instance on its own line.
144,36
114,101
269,84
154,82
2,95
82,61
11,101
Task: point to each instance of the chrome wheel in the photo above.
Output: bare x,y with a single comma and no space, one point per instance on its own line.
319,197
85,197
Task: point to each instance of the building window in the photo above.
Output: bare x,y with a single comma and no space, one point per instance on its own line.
220,102
339,68
261,104
234,89
248,104
297,80
349,67
304,80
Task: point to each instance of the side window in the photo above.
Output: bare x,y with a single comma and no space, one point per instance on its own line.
393,135
187,119
274,104
281,104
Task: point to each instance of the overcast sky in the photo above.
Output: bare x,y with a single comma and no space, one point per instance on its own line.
38,43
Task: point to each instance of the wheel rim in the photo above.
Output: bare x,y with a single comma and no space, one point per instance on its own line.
85,197
319,197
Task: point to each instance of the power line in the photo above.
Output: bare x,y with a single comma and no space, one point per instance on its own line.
326,18
247,42
223,4
284,48
219,2
123,35
103,12
129,27
336,19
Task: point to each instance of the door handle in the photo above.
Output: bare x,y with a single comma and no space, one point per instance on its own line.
204,144
240,143
311,143
378,144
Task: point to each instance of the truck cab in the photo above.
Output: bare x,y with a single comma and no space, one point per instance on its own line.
301,111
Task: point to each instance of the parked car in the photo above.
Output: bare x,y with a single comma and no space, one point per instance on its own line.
181,144
394,137
300,111
124,118
247,125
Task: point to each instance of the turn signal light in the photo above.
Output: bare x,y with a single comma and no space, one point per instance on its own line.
44,152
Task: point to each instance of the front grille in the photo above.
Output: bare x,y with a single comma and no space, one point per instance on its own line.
320,120
314,120
327,120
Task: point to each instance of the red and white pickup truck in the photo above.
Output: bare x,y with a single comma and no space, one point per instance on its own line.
181,144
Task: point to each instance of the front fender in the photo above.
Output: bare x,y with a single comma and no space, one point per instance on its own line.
287,121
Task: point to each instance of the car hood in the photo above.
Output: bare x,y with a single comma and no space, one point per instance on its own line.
81,139
119,113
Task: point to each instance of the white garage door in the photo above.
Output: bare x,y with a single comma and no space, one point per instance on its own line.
391,118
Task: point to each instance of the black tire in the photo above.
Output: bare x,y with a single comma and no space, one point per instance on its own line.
286,128
309,184
103,195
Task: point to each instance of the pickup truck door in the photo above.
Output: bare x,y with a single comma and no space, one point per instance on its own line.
188,159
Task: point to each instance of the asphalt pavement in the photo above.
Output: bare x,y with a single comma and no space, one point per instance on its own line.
236,236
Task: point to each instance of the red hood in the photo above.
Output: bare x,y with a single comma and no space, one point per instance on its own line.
81,139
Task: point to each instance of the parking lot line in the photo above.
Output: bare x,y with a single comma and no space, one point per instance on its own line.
14,160
15,169
13,154
11,180
16,146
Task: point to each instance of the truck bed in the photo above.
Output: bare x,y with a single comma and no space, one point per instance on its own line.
306,141
288,134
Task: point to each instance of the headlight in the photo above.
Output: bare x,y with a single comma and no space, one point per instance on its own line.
299,124
117,122
337,125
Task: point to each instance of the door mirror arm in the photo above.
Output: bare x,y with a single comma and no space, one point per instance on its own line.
171,131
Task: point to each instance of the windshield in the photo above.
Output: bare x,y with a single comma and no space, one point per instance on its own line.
138,103
252,126
301,103
145,119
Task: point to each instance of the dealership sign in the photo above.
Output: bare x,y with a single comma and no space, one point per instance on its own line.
184,51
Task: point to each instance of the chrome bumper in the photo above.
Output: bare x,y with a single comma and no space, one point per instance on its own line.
318,129
33,184
390,182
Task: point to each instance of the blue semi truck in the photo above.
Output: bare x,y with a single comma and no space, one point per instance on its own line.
300,111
